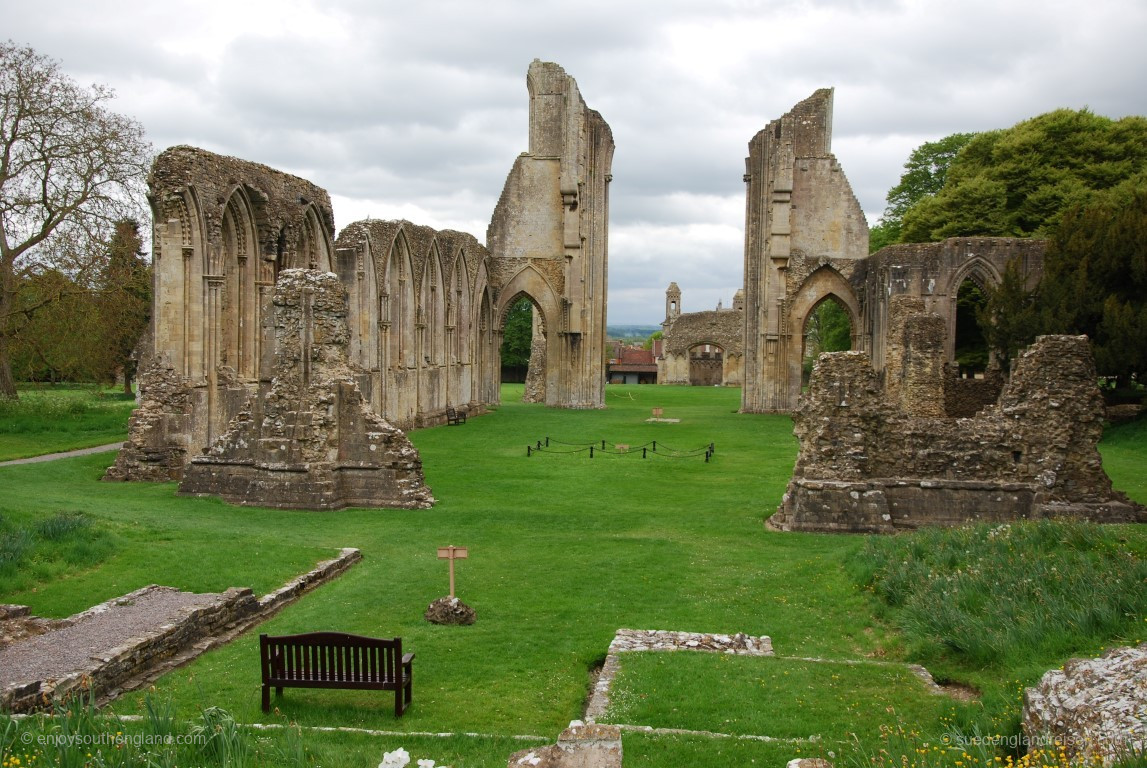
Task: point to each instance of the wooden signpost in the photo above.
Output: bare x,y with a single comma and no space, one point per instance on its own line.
452,553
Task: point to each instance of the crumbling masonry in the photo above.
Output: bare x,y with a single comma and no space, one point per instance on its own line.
875,458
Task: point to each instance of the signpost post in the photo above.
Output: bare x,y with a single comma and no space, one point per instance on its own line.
452,553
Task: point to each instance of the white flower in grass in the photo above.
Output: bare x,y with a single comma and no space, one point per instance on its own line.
425,764
399,758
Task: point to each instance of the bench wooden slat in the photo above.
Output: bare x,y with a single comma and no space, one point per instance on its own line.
336,660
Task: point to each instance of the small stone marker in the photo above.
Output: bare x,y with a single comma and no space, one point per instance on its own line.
452,553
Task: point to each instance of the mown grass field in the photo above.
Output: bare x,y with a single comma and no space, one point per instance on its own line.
564,550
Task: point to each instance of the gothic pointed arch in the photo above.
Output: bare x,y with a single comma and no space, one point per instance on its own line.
459,313
240,267
977,269
313,244
531,283
398,301
180,238
433,305
818,286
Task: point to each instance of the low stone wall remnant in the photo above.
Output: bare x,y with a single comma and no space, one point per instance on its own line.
875,462
202,622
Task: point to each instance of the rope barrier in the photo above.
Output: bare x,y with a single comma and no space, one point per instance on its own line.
604,447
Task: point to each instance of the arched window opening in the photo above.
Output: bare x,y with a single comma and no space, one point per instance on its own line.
972,354
827,328
517,340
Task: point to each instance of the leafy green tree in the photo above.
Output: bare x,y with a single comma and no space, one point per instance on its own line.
69,169
57,339
924,175
1095,279
827,329
518,334
652,338
1018,182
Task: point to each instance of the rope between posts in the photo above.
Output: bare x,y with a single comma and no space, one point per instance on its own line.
604,447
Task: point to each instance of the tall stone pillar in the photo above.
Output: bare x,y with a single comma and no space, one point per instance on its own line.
549,233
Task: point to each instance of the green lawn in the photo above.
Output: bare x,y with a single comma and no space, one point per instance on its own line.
564,550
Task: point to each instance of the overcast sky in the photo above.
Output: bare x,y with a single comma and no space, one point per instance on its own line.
416,109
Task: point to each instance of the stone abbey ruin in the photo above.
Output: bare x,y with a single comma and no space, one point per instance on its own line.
284,363
420,331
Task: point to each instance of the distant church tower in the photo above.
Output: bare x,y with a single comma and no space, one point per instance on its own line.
672,304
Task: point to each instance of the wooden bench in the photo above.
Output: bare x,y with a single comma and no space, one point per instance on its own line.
336,660
454,417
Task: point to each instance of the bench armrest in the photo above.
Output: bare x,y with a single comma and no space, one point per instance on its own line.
407,658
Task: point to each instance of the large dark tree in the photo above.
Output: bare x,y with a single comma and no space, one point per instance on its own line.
1009,317
1095,279
1018,182
69,170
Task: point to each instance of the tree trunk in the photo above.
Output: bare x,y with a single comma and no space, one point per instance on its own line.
7,383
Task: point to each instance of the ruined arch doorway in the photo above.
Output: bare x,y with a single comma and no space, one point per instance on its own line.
971,347
706,365
827,328
523,349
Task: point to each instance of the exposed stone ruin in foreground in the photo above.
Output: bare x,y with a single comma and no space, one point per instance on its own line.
878,458
1095,710
311,441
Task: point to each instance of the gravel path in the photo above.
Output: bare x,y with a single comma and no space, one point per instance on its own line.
65,454
60,651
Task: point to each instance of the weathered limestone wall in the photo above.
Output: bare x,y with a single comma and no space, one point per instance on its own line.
420,320
868,464
223,230
800,213
933,273
535,389
548,235
914,375
312,441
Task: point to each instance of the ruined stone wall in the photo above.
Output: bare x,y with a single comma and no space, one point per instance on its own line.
416,295
806,239
866,464
723,328
223,229
311,441
548,235
934,272
914,374
967,397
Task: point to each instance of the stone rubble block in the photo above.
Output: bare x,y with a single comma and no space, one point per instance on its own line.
629,640
580,745
1096,709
